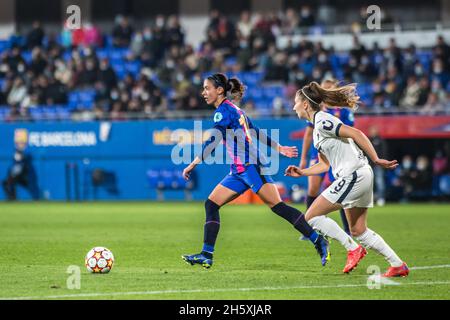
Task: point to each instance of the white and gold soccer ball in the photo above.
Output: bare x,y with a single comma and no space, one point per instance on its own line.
99,260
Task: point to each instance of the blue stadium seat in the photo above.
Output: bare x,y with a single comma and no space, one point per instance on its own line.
50,113
133,67
444,184
424,58
63,112
73,99
252,78
230,61
4,45
255,93
36,114
102,53
67,55
272,92
87,96
153,178
119,68
4,112
166,178
307,67
27,56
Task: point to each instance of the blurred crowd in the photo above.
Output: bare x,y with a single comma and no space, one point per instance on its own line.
420,178
42,69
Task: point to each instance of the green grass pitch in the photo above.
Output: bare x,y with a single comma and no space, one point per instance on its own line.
258,255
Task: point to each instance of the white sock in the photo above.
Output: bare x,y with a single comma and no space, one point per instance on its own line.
328,227
372,240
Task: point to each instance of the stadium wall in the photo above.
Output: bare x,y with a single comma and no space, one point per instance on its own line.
126,150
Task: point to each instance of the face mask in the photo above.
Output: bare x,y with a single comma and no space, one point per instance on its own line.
407,164
421,165
243,44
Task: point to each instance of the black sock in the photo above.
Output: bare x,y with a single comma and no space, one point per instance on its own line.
309,201
212,226
295,217
344,221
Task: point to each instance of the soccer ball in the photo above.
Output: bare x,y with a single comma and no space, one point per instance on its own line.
99,260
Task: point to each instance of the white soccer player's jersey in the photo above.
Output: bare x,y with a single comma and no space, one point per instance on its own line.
343,154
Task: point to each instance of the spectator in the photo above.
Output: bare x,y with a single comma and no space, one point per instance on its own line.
18,92
21,173
36,36
245,25
422,178
106,74
433,104
406,174
174,33
411,94
307,18
380,146
122,32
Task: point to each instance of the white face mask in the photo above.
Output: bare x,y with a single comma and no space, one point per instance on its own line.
421,165
407,164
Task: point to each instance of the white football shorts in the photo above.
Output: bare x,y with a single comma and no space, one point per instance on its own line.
354,190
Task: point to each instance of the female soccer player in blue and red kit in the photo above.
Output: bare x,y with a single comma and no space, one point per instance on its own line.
247,169
315,182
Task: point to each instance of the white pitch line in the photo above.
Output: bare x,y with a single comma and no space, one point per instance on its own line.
81,295
430,267
85,295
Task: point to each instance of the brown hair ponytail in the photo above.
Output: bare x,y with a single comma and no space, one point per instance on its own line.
236,89
338,96
233,85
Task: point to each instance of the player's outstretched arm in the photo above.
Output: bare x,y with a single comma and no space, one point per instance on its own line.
320,167
364,143
187,171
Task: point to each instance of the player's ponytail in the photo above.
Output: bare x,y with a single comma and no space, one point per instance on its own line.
336,96
232,86
236,89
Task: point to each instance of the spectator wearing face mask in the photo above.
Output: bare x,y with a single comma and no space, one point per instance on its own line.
405,176
422,178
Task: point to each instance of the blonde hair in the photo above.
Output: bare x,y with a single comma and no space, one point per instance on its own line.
337,96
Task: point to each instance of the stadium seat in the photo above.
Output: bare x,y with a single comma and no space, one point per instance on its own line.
63,113
153,178
252,78
273,91
4,45
36,114
307,67
444,184
255,93
27,56
133,67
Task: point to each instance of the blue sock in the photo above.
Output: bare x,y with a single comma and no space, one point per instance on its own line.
296,218
208,251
